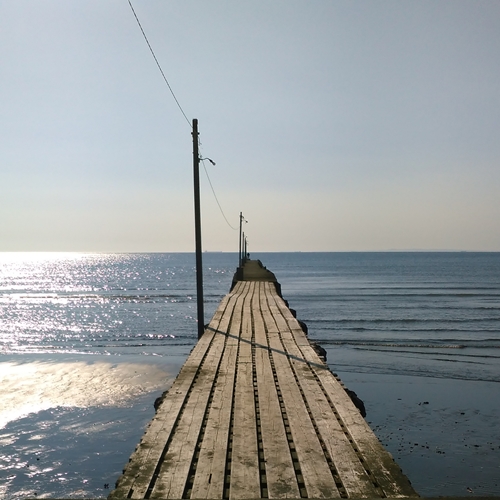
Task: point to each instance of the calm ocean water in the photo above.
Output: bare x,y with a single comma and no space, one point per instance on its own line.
88,341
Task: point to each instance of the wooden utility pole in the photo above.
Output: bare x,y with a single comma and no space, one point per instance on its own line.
239,258
197,230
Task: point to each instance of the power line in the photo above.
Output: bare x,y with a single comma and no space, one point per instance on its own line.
182,111
158,64
215,196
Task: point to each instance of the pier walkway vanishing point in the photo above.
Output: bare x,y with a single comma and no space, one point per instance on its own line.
255,413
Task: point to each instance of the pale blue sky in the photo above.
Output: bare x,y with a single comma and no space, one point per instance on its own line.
335,125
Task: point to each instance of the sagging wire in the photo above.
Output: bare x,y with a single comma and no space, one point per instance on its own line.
182,111
213,191
158,64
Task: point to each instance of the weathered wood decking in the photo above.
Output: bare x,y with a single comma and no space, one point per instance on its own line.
254,413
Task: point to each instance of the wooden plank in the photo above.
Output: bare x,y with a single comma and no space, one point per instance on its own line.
386,473
174,470
242,289
143,462
316,473
246,325
245,478
210,471
209,479
217,319
351,472
384,470
293,325
280,472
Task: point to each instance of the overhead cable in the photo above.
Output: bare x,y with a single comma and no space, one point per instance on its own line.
182,111
158,64
215,196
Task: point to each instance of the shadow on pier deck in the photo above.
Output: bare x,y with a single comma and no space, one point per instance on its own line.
255,413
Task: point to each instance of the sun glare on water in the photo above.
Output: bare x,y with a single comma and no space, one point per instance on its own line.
32,387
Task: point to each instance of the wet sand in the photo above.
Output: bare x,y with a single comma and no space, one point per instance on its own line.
444,433
69,424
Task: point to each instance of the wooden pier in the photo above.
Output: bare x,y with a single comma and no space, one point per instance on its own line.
255,413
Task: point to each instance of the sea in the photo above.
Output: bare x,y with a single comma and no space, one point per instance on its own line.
89,341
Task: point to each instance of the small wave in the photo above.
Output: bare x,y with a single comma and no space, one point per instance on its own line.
381,295
143,344
413,372
450,359
419,345
484,344
435,286
412,330
403,320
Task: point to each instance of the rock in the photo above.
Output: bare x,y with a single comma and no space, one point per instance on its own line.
159,400
320,351
358,403
303,326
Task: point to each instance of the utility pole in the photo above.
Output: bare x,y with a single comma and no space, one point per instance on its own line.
244,254
197,230
239,258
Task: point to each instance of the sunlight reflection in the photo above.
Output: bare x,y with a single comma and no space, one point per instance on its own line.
33,387
37,256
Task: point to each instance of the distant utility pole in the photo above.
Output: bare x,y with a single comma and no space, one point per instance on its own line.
197,230
239,250
241,239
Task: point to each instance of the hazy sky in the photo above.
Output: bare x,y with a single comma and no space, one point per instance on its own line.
335,125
